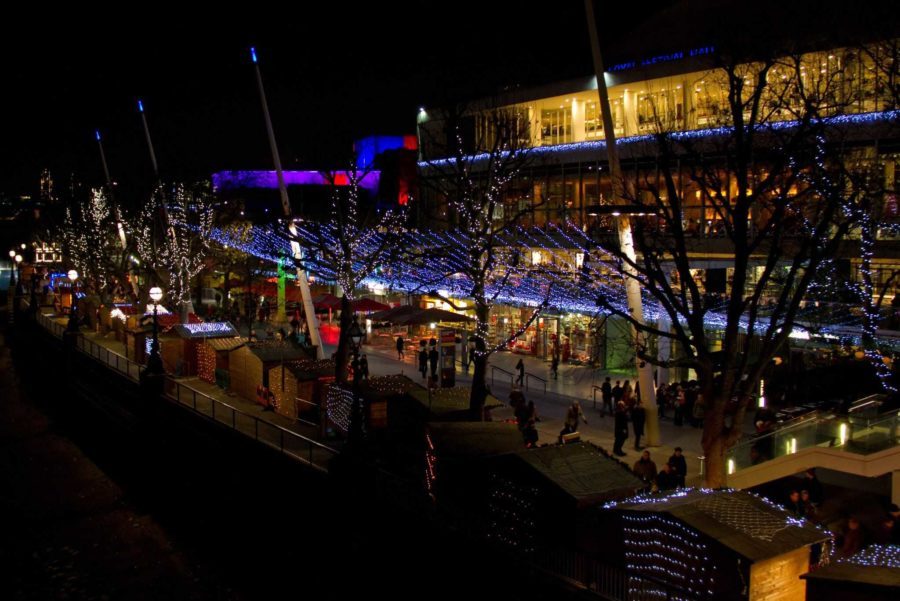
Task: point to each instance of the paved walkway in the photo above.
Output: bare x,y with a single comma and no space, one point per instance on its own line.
575,382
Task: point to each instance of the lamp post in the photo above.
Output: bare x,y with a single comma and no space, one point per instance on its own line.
18,260
356,336
12,271
73,310
154,361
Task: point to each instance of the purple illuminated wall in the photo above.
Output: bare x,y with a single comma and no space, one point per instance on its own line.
230,180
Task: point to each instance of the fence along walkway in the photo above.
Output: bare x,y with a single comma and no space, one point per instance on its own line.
291,444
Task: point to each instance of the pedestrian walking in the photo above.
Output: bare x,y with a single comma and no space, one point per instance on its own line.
606,394
521,369
433,360
573,415
628,395
423,362
400,348
620,429
364,367
617,392
638,417
554,366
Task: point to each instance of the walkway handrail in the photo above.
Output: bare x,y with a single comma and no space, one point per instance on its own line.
132,370
594,389
528,376
495,368
283,434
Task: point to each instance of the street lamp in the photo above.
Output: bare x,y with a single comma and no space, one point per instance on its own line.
356,335
73,318
154,361
18,260
12,270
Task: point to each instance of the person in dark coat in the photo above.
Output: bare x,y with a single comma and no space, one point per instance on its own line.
667,479
645,469
423,362
400,348
620,429
364,367
638,417
520,367
433,360
606,393
679,466
617,392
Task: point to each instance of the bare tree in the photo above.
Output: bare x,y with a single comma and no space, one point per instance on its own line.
475,186
349,247
775,187
91,243
173,249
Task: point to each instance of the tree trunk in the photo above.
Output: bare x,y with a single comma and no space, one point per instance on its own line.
343,349
227,287
479,392
714,451
714,441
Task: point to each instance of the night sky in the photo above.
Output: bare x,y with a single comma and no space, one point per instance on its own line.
331,76
333,73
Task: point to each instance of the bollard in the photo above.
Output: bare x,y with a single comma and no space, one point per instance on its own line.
702,459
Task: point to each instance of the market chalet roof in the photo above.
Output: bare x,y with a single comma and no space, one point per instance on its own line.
877,566
581,472
208,329
745,523
277,350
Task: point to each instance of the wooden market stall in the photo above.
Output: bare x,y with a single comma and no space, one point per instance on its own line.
456,471
547,497
212,359
299,387
249,365
705,544
873,574
179,344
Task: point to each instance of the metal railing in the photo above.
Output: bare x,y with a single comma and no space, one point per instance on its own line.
287,442
862,436
530,376
495,368
123,365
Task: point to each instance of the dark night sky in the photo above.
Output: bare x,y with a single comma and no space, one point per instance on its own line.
331,74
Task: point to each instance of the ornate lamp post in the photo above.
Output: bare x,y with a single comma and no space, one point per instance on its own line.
356,336
154,361
73,310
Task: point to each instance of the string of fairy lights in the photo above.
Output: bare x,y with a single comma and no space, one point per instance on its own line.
875,556
597,146
544,262
512,513
338,405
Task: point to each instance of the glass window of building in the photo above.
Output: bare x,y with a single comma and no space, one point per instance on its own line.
556,125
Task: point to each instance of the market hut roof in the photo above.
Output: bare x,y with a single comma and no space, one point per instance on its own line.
581,472
875,566
224,344
309,369
208,329
469,440
745,523
277,350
